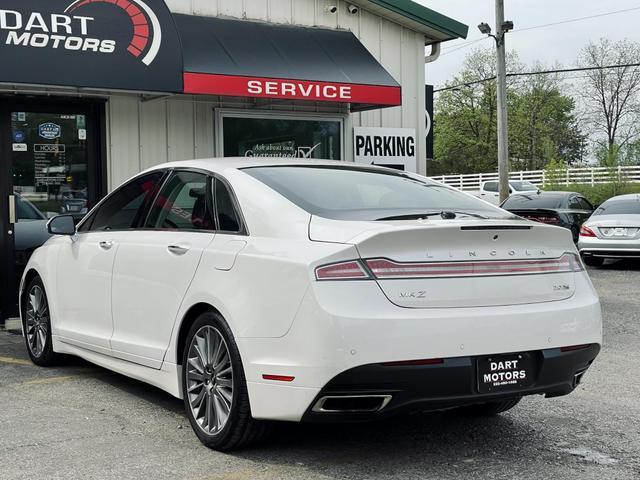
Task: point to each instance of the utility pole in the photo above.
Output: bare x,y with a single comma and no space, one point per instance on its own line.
501,80
502,27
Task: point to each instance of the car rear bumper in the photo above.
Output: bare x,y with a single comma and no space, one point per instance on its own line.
610,252
609,248
388,390
337,331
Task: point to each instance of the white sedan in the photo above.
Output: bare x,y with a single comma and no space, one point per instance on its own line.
312,291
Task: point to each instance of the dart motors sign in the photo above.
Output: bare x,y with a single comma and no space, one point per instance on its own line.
119,44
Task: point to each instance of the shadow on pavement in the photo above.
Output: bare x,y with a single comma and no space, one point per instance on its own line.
629,264
411,441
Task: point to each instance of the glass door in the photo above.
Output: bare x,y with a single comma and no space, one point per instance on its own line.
47,158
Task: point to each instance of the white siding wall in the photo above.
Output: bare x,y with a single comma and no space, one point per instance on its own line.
146,133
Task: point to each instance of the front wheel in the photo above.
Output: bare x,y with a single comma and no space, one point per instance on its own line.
214,387
490,408
37,325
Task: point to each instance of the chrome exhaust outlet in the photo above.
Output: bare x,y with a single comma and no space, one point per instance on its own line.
351,403
577,378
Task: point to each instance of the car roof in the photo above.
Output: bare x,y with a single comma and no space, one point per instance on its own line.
543,193
628,196
219,165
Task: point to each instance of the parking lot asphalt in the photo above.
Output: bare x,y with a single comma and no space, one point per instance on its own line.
84,422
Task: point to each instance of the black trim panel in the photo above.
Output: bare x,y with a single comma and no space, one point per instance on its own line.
449,384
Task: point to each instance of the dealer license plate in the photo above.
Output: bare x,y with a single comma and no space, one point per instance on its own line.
504,372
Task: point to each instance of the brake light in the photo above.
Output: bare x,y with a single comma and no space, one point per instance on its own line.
586,232
549,220
352,270
383,268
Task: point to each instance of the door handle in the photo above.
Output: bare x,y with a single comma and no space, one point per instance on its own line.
12,209
106,245
178,249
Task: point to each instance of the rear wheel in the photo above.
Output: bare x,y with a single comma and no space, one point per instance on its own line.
37,325
214,387
593,261
490,408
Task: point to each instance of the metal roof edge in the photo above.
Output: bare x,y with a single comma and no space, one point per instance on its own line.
424,16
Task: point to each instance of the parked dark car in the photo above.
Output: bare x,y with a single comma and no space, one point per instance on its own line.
565,209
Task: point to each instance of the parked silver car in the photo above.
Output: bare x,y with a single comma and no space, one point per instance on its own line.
613,231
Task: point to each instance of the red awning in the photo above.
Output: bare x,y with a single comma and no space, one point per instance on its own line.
248,59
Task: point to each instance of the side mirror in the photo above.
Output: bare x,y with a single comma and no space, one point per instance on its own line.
62,225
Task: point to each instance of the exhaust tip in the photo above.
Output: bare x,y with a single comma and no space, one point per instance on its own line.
351,403
577,378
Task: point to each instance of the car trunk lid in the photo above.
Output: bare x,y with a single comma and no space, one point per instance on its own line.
460,263
616,227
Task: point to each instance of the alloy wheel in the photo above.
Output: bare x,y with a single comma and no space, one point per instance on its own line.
37,322
209,380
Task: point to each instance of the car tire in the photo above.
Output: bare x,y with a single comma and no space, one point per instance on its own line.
490,408
593,261
37,325
222,391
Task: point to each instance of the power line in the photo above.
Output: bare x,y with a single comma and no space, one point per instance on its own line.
541,72
571,20
468,43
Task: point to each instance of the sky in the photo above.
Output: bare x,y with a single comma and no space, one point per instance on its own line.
559,43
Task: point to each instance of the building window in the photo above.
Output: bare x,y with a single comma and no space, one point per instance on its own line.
273,136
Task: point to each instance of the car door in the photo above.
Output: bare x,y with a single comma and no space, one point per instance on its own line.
586,208
576,214
155,265
86,262
490,192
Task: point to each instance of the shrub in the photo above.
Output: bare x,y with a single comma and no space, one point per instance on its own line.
554,173
599,193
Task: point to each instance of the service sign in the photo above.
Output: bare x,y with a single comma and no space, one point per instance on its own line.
392,147
114,44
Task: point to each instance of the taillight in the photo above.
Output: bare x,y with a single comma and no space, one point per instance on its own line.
586,232
549,220
352,270
383,268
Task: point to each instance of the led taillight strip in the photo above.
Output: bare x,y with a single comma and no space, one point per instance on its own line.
383,268
351,270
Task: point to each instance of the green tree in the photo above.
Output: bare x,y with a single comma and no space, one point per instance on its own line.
542,122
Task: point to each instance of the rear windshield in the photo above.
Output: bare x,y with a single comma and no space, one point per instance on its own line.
619,207
533,200
523,186
364,194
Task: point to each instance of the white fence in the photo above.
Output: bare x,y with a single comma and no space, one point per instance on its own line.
590,175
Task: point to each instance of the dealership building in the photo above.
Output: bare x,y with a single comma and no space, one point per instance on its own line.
94,91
